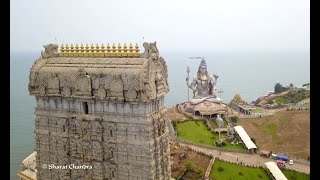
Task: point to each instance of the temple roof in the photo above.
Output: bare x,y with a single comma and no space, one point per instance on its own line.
115,73
237,98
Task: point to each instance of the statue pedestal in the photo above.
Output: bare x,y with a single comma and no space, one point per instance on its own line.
205,108
210,99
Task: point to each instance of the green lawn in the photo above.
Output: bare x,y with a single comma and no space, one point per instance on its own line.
291,175
196,132
270,129
258,110
214,123
236,172
199,133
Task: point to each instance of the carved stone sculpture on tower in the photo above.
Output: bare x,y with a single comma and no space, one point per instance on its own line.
203,85
83,83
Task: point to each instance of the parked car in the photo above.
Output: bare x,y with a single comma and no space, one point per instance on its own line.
291,162
281,163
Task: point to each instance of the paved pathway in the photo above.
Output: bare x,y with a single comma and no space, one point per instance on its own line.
251,159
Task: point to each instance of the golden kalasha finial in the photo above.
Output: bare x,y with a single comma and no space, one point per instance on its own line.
119,50
87,51
66,50
113,53
82,50
108,53
137,50
62,50
97,53
92,50
71,50
76,50
102,50
124,53
131,47
125,47
92,47
130,53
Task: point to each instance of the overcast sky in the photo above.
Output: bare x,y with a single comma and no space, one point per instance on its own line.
176,25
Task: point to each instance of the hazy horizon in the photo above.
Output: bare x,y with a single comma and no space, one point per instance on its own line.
204,25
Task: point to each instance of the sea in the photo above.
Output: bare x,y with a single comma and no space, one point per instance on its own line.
251,74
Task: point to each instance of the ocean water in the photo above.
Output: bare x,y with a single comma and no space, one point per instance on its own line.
250,74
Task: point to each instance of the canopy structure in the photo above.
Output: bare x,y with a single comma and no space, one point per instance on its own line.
283,157
245,137
275,171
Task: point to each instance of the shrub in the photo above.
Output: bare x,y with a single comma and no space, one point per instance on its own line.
240,173
189,165
220,169
234,118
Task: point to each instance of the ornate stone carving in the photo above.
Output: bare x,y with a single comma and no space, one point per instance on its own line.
116,87
122,96
150,49
83,83
53,84
102,93
42,90
50,50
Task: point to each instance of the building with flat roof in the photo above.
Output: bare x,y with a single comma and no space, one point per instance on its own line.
245,138
274,170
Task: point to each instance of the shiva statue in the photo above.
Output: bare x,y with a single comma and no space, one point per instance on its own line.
203,85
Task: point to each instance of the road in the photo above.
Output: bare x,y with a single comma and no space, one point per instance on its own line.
250,159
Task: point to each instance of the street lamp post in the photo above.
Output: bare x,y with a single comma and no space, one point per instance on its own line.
220,91
188,71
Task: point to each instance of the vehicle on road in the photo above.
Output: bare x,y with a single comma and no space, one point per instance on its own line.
281,163
291,162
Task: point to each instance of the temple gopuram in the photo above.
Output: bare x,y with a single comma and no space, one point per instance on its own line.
99,113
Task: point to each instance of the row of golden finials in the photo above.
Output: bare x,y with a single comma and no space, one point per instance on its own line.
100,51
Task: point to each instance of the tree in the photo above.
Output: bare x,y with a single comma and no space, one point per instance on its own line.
291,85
234,119
278,88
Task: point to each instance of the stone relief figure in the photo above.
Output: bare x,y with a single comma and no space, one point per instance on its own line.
150,50
42,90
203,85
50,50
83,83
116,87
53,84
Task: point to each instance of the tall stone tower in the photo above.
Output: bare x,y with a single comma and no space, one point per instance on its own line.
100,112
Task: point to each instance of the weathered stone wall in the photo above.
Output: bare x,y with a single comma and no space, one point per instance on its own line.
121,138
